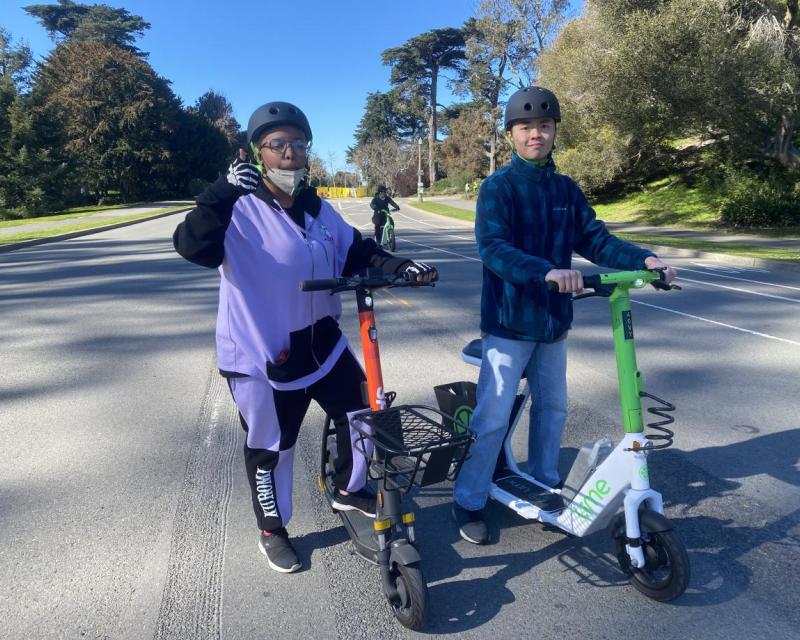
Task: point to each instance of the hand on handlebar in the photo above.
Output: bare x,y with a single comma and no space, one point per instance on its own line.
567,280
419,272
668,274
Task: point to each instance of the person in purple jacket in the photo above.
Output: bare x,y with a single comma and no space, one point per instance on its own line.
279,348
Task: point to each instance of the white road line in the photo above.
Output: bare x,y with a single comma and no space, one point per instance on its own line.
427,246
721,324
721,275
434,226
723,286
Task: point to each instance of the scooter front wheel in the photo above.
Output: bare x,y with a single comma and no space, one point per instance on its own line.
413,591
665,575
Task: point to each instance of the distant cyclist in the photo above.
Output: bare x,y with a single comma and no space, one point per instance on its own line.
380,203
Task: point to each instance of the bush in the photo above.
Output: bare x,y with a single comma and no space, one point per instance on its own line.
760,200
595,164
197,186
451,185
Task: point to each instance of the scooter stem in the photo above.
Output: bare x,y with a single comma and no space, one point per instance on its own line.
628,375
369,345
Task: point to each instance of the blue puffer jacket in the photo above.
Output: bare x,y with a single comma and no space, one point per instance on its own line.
529,220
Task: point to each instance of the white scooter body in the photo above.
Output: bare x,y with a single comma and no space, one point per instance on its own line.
621,480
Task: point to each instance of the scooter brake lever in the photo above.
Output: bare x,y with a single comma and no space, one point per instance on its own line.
660,284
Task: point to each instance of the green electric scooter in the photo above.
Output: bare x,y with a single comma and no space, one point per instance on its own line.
604,478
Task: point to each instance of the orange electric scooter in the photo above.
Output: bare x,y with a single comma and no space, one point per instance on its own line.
404,446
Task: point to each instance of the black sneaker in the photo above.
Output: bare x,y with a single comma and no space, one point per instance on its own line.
280,554
471,525
362,500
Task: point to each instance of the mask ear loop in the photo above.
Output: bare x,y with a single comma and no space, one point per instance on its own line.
257,157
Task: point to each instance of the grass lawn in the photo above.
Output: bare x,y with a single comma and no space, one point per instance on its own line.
68,214
32,233
445,210
782,254
662,205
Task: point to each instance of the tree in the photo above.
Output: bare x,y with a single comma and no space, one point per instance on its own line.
465,150
317,173
119,117
15,61
416,66
502,46
381,161
216,109
78,22
648,72
386,115
514,32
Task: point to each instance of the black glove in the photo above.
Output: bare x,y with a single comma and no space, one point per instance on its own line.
244,176
419,271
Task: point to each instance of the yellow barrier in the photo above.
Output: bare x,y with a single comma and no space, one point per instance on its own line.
341,192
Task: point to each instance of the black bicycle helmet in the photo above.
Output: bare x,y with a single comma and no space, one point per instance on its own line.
275,114
532,102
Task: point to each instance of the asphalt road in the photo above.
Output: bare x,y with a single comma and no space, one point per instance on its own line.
124,511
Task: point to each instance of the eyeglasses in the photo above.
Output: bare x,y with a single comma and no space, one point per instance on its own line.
278,145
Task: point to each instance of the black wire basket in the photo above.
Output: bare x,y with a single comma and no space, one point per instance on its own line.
414,445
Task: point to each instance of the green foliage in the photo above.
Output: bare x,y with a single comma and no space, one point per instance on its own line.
596,162
216,109
415,73
466,150
197,186
761,200
656,70
453,184
77,22
386,115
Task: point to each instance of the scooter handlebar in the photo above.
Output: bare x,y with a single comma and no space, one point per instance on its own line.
324,284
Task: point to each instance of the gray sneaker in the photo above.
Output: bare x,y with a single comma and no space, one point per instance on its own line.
281,556
471,525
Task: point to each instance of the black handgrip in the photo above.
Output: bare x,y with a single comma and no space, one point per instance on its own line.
322,285
591,282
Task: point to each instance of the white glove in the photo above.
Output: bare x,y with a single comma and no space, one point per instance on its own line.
243,176
420,272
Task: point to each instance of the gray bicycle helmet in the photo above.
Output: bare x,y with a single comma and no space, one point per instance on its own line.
532,102
274,114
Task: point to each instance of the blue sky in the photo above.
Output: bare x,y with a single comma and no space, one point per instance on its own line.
324,56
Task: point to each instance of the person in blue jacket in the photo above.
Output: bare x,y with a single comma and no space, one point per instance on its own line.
529,220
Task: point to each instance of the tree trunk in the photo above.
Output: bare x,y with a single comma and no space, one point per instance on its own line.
782,148
493,153
432,128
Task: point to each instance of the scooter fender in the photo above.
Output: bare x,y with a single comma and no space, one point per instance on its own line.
649,519
404,553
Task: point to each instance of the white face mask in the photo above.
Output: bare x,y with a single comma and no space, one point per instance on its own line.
287,180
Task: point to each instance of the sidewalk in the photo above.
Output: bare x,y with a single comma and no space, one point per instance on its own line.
101,216
720,238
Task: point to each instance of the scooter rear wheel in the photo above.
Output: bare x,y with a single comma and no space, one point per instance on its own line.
413,591
665,575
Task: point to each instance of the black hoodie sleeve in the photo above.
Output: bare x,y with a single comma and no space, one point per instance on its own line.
393,203
200,238
364,253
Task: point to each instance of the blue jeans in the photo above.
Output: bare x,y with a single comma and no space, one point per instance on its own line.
501,371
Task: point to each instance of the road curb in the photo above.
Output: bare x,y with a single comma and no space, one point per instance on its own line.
85,232
677,252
